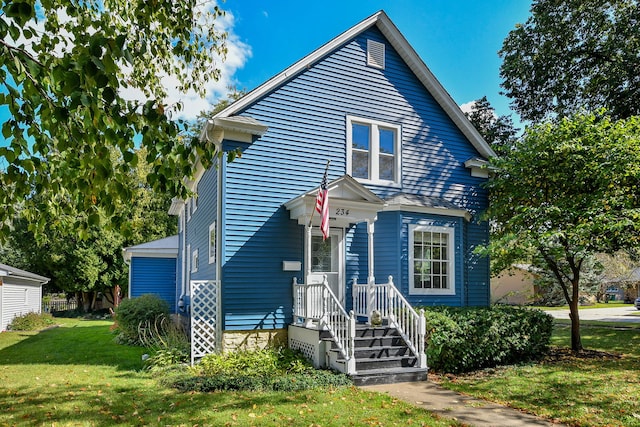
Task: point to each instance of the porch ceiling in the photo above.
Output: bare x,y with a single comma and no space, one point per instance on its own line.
349,203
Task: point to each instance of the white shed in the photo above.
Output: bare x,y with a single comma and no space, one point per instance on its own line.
20,293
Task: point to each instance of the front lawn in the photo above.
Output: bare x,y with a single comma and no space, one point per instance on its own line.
75,375
600,389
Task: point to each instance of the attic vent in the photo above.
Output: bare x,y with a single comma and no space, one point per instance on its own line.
375,54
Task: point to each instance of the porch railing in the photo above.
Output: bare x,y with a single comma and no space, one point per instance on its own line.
386,299
315,304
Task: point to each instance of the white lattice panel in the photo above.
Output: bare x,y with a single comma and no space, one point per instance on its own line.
204,311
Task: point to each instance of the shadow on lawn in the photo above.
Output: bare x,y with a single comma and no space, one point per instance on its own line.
80,345
107,405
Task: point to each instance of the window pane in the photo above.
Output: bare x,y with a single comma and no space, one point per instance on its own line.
436,282
320,254
360,164
436,253
436,268
360,137
417,251
417,281
387,141
387,167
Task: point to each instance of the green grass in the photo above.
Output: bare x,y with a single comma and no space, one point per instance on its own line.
595,391
610,304
75,375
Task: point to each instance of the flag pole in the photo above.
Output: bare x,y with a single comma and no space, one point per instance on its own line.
326,169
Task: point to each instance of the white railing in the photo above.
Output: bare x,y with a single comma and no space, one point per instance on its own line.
387,300
316,305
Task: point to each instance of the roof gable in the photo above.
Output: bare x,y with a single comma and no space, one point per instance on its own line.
350,202
406,52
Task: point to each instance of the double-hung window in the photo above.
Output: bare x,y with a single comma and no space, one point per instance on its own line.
373,151
431,260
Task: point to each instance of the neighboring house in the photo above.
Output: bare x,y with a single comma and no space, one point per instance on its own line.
152,269
20,293
515,286
405,196
624,288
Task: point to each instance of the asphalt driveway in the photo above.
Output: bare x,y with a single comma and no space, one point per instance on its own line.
626,313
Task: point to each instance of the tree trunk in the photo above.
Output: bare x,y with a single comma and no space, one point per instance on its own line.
576,341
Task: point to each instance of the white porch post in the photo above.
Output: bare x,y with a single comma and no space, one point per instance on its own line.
307,297
371,280
307,260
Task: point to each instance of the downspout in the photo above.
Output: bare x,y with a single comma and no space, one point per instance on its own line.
219,251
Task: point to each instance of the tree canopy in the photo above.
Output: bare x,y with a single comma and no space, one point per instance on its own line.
91,262
498,131
572,55
567,191
82,80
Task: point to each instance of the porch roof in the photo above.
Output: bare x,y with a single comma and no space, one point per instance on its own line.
426,204
349,203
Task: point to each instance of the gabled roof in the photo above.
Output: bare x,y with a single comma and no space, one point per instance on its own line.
7,270
406,52
350,202
162,248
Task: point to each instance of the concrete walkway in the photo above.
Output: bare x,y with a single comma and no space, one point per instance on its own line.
467,410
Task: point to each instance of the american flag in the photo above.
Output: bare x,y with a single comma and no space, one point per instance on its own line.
322,206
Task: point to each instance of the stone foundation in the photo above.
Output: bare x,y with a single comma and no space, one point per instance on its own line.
254,339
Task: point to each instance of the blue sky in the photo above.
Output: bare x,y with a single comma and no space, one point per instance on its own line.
457,39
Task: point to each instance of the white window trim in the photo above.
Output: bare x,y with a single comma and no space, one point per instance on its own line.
194,203
187,208
451,256
374,151
195,261
213,243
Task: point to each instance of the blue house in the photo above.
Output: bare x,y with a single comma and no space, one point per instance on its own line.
405,192
152,269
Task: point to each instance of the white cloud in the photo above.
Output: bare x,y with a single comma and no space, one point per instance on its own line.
467,107
237,55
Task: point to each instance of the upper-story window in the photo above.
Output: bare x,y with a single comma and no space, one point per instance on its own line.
373,151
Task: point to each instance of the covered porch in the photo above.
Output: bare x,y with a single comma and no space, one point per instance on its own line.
343,323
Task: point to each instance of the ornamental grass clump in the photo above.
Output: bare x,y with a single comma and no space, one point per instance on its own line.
134,313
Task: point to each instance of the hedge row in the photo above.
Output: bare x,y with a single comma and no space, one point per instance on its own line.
467,339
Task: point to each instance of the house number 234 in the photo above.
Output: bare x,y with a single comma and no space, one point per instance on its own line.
342,212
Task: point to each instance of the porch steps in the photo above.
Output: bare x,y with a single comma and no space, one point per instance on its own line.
382,357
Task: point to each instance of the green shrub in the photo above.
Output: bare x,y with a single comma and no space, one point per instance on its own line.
31,322
313,378
272,369
134,313
466,339
270,361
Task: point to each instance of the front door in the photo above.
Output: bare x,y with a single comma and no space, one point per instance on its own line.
327,257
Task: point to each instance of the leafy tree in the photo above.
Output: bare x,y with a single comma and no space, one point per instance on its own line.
496,130
92,263
567,191
572,55
67,71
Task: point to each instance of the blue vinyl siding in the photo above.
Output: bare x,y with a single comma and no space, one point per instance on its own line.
154,276
198,225
306,117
